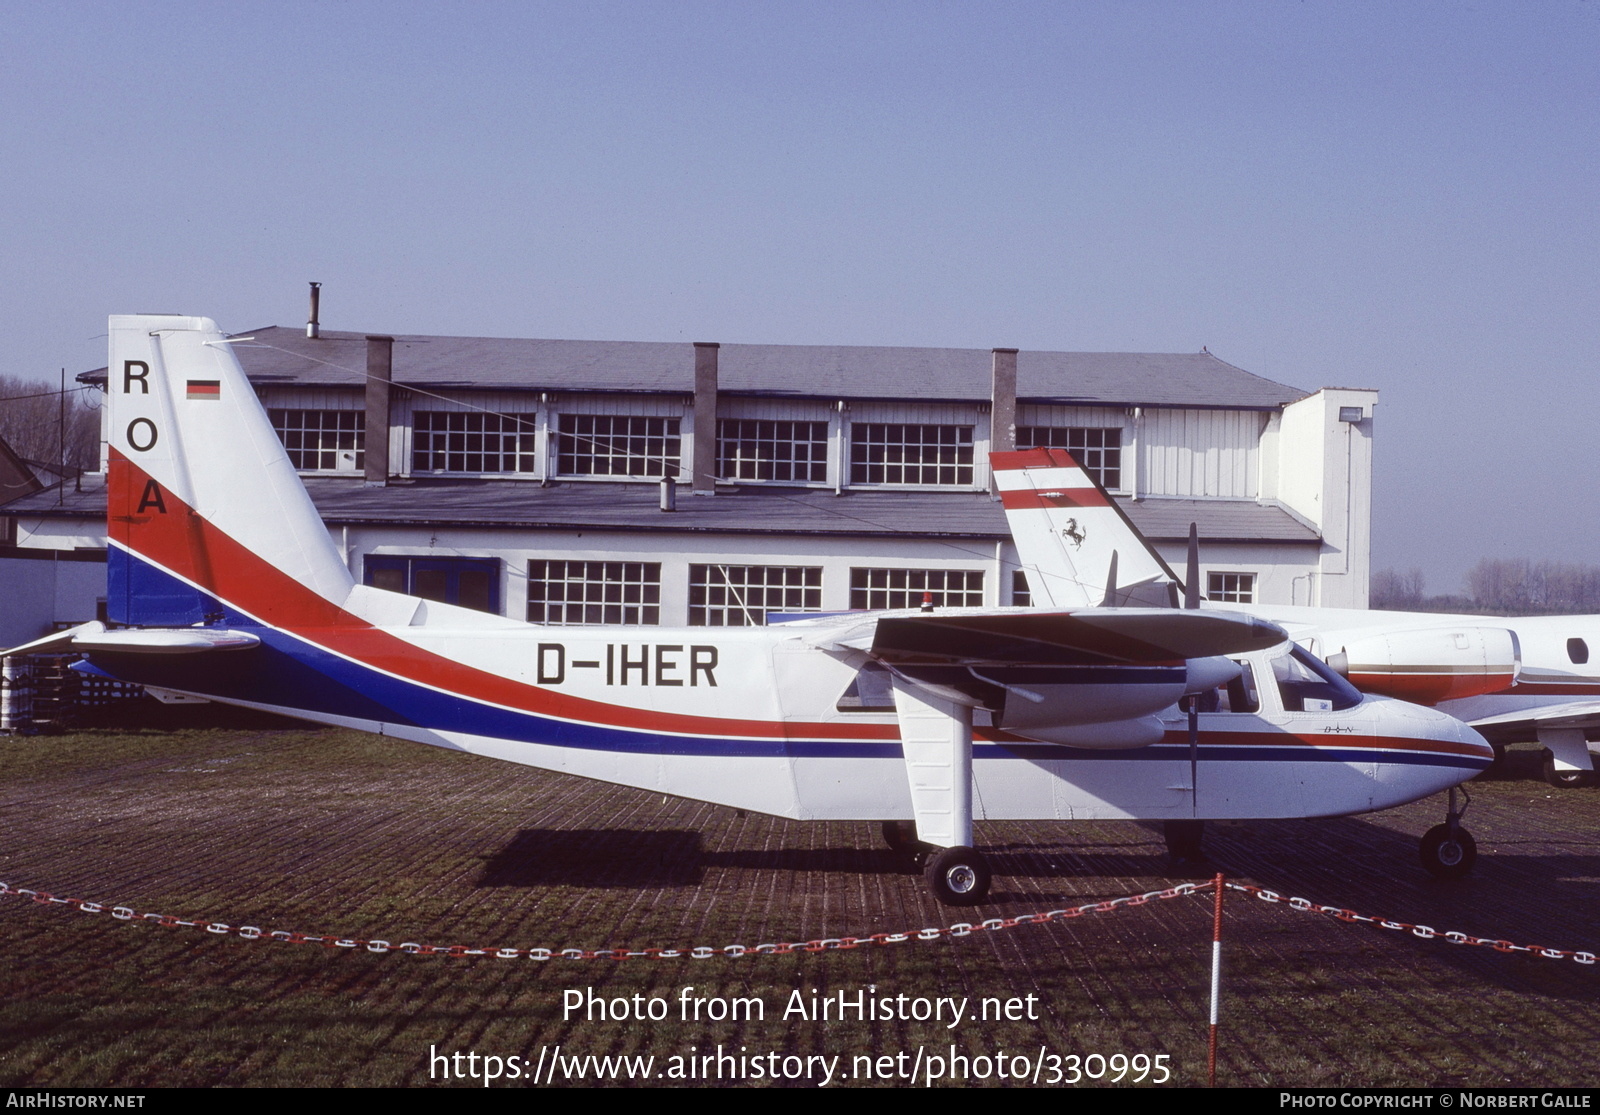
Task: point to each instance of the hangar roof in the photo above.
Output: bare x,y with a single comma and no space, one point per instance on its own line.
338,359
511,505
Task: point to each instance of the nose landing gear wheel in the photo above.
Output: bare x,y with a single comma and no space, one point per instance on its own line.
958,876
1447,854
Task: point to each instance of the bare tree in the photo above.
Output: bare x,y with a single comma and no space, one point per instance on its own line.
1517,586
45,427
1394,591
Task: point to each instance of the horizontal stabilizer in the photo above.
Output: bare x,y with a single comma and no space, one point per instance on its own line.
171,640
91,637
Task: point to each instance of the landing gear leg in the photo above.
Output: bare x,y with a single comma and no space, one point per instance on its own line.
1448,850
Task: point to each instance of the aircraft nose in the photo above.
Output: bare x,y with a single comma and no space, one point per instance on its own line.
1431,724
1448,729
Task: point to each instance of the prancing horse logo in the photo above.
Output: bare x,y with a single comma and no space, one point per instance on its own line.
1073,531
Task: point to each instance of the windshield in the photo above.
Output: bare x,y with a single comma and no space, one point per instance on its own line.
1308,685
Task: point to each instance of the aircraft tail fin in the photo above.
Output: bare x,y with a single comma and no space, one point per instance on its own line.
1078,548
206,516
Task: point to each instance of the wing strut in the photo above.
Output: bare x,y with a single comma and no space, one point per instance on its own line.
936,736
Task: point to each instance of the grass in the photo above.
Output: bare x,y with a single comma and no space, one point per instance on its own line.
329,831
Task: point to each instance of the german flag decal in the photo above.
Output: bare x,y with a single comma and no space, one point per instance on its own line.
205,389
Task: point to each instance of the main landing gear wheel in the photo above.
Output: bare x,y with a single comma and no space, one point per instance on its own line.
1448,851
958,876
1565,779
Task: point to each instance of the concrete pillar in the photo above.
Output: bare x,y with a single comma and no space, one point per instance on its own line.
380,373
703,475
1003,404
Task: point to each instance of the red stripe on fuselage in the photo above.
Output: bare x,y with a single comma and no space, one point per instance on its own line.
1332,741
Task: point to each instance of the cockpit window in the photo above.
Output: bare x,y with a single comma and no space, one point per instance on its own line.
1308,685
1578,651
1239,695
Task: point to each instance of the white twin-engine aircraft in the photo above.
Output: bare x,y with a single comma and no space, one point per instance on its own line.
224,584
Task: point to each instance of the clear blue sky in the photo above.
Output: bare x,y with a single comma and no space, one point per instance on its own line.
1399,196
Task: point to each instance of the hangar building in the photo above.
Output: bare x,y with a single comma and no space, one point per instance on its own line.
687,484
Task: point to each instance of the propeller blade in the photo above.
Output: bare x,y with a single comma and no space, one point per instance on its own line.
1191,574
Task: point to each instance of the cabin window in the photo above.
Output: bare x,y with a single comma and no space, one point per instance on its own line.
322,440
1231,588
879,589
625,445
742,595
871,691
472,442
466,582
785,452
1578,651
1098,449
566,593
908,453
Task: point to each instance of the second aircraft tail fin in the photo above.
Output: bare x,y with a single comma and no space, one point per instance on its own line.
1078,549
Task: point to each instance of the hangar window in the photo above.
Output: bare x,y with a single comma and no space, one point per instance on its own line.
1578,651
1098,449
742,595
322,440
594,592
468,582
629,445
472,442
907,453
787,452
1231,588
1021,595
877,589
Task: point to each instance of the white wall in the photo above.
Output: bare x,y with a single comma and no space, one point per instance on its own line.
1322,471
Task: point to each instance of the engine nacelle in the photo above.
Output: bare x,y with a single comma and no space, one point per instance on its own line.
1117,715
1433,664
1116,736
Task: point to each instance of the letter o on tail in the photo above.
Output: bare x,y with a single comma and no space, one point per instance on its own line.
148,434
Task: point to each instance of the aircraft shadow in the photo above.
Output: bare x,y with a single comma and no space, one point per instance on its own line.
663,858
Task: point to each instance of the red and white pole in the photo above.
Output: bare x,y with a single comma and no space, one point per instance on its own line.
1216,982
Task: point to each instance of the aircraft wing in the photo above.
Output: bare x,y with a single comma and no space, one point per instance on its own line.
1515,727
1110,636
